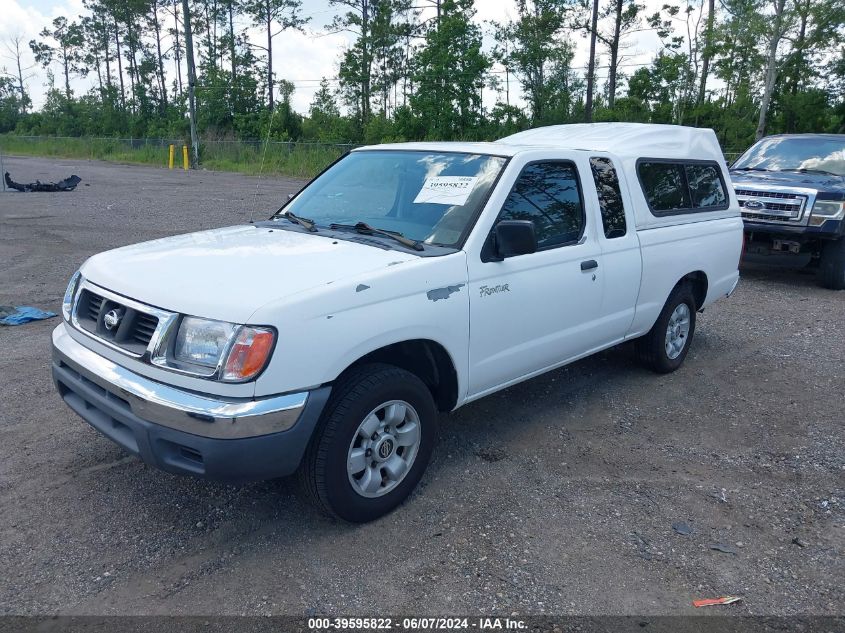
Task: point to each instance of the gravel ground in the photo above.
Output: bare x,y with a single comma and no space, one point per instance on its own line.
556,496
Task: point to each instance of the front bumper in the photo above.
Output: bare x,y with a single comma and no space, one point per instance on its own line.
180,431
829,230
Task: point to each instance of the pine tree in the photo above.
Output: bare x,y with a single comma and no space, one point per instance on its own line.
449,74
274,17
68,50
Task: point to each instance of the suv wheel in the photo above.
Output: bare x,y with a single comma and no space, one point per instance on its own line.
666,345
373,443
832,265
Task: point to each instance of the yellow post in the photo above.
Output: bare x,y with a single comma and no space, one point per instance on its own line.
185,161
170,160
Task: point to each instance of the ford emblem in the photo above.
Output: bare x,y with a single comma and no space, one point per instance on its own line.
754,205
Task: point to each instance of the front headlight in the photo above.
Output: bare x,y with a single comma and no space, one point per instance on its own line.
826,210
217,349
70,293
201,342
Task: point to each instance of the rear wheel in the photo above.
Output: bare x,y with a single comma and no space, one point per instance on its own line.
832,265
373,443
665,346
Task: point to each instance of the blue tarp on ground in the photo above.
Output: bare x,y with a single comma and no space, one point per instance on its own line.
18,315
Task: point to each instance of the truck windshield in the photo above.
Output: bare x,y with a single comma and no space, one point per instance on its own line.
812,154
431,197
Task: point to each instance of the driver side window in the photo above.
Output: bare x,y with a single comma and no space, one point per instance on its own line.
548,194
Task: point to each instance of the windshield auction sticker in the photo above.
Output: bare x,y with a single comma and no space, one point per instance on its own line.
446,190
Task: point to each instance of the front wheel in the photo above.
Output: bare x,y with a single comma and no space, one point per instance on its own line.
373,443
665,346
832,265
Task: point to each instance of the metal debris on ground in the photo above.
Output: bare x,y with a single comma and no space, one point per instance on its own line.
682,528
709,602
68,184
720,495
18,315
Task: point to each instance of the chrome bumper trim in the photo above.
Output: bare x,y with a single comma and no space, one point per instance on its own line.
156,402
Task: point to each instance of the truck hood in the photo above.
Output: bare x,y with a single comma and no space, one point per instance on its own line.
821,182
229,273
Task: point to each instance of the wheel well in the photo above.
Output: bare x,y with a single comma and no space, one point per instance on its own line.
426,359
698,284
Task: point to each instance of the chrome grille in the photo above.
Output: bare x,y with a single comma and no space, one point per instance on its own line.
759,217
145,327
764,205
119,322
95,302
767,194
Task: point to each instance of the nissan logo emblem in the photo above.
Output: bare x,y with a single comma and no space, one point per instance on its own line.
112,319
385,449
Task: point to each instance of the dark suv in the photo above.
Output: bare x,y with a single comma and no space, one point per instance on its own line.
791,189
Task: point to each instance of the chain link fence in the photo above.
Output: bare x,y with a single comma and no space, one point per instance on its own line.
140,143
302,159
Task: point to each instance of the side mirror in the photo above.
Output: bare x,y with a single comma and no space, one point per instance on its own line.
514,237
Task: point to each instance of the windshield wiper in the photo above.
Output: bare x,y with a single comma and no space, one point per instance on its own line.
366,229
308,225
813,171
749,169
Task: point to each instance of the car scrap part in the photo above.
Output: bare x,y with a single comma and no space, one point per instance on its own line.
68,184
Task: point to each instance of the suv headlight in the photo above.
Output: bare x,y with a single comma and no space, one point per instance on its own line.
217,349
826,210
70,294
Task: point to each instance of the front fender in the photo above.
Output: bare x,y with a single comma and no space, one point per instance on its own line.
327,329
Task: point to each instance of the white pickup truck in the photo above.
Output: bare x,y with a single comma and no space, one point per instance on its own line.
404,280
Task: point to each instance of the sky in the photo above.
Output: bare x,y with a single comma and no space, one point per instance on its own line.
302,58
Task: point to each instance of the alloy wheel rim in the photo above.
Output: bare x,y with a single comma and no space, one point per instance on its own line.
677,331
383,448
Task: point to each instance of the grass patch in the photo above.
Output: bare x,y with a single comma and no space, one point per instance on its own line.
299,160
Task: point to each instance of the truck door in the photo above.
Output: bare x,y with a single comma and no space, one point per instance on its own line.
620,246
532,312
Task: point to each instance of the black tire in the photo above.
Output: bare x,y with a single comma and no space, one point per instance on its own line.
832,265
323,473
651,348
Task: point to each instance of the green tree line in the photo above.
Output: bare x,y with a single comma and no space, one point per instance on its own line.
420,69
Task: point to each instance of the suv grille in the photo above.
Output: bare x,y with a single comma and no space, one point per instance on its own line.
771,206
116,323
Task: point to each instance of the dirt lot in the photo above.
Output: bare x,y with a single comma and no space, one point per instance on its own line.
556,496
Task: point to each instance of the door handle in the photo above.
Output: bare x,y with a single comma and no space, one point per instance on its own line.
590,264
